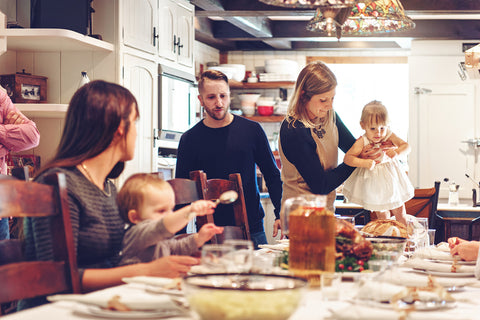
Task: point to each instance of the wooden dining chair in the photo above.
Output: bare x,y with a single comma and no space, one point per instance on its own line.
22,279
214,188
187,190
424,205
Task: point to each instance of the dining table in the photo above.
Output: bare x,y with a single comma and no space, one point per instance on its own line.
313,306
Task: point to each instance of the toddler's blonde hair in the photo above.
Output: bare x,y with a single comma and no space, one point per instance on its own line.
374,112
131,196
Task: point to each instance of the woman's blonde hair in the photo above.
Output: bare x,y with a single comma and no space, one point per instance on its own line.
315,78
132,194
374,112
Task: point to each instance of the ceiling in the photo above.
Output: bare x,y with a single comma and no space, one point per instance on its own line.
253,25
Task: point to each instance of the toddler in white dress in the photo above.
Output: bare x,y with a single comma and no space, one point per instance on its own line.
379,185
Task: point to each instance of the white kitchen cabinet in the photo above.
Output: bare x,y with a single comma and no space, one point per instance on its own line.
140,77
139,26
176,31
60,55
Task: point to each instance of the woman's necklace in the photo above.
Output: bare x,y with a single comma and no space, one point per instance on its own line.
109,193
320,132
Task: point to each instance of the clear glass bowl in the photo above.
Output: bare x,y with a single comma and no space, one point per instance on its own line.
243,296
387,248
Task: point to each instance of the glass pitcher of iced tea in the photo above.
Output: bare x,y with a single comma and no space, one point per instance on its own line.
311,230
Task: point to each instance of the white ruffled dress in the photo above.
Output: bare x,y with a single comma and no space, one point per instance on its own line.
386,187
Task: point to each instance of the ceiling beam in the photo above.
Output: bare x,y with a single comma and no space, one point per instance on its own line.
257,26
204,34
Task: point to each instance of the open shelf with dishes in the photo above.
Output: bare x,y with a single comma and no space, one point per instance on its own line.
261,85
272,118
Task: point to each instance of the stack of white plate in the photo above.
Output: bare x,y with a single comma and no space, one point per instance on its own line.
282,107
280,70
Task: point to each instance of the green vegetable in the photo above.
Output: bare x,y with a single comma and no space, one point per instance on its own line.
344,265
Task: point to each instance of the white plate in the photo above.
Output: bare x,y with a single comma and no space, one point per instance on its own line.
463,263
445,274
276,247
417,305
111,314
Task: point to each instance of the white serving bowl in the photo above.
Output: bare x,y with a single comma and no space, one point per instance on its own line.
239,73
226,70
248,110
248,98
243,296
265,102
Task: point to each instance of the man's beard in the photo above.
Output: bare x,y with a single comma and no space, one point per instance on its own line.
214,116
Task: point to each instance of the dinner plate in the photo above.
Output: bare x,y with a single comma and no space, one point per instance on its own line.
112,314
463,263
417,305
277,247
445,274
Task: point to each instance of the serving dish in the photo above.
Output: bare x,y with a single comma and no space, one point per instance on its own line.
243,296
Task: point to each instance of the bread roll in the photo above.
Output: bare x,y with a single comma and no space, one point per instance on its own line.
385,227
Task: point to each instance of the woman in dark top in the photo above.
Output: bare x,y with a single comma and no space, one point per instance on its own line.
310,137
98,137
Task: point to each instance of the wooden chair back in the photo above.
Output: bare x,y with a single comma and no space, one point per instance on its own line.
214,188
424,204
188,190
28,279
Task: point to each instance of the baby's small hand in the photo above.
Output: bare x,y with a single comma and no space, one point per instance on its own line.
371,164
203,207
206,232
391,153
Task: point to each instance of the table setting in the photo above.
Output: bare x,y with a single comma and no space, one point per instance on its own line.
370,276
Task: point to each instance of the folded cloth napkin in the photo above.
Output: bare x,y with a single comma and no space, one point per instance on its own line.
356,312
404,276
134,301
385,292
426,265
153,281
433,253
277,246
443,246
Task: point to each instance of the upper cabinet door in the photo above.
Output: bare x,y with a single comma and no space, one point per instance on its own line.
139,20
176,31
185,35
167,29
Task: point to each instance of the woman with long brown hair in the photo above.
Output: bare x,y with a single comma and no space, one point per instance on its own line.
98,137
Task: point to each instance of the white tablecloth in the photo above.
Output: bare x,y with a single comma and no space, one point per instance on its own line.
313,307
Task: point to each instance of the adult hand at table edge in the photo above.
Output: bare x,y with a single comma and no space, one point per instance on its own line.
466,250
454,241
277,225
172,266
168,267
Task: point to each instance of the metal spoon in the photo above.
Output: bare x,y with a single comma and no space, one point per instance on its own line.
227,197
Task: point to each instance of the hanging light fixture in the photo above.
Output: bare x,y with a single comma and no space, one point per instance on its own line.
366,17
310,3
328,9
